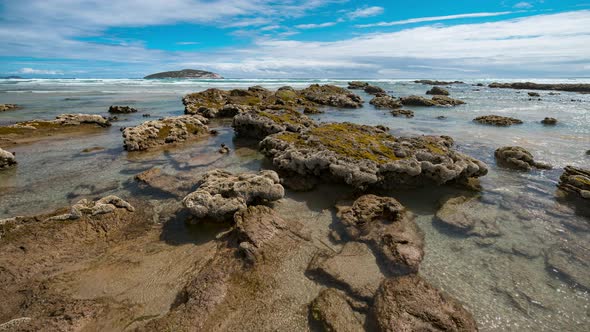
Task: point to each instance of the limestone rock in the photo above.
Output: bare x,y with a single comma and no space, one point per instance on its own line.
7,159
104,205
406,113
331,310
331,95
497,120
174,185
155,133
220,194
213,103
357,85
255,226
549,121
518,158
122,109
374,90
364,156
259,124
385,101
437,91
409,303
385,225
470,216
575,181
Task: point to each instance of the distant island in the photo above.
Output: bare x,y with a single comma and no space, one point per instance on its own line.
10,77
185,73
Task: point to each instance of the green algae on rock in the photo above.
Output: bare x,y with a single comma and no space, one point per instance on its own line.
259,124
575,180
151,134
364,156
497,120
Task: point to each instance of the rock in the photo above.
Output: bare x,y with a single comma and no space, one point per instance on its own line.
446,101
406,113
385,225
122,109
185,73
146,115
259,124
14,324
497,120
331,310
312,110
470,216
534,94
479,84
549,121
374,90
174,185
429,82
223,149
8,107
441,117
385,101
169,130
575,181
78,119
104,205
575,87
588,152
63,121
216,103
255,226
357,85
364,156
437,91
353,269
435,101
331,95
93,149
220,194
518,158
572,261
7,159
409,303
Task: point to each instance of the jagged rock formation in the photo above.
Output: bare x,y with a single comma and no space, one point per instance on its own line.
409,303
358,85
8,107
364,156
575,181
386,101
575,87
121,109
63,123
497,120
151,134
220,194
259,124
518,157
7,159
185,73
406,113
437,91
435,101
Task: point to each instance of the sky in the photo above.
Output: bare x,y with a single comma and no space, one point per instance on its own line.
296,38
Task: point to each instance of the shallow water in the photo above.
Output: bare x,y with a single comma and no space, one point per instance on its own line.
504,289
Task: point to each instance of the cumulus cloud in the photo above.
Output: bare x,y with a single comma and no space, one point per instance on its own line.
315,25
366,12
431,19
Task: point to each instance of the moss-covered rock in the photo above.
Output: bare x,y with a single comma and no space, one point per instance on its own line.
576,181
40,127
436,90
386,101
365,156
332,95
497,120
121,109
259,124
437,100
151,134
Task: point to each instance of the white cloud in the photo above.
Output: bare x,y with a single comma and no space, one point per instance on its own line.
187,43
365,12
523,5
32,71
315,26
431,19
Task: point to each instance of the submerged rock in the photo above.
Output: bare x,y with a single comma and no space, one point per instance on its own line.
331,95
357,85
517,157
151,134
255,226
331,310
7,159
575,181
8,107
497,120
549,121
259,124
409,303
572,261
385,225
374,90
220,194
385,101
406,113
470,216
104,205
437,91
122,109
364,156
174,185
62,122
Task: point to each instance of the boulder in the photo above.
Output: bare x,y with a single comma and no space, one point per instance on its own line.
333,313
437,91
385,225
220,194
409,303
312,110
518,158
406,113
446,101
497,120
571,260
470,216
417,101
259,124
549,121
534,94
8,107
175,185
122,109
105,205
357,85
255,226
331,95
7,159
165,131
364,156
575,181
374,90
385,101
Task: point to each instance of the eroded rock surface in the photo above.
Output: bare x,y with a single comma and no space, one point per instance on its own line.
364,156
572,261
104,205
386,101
470,216
255,226
121,109
436,90
331,95
7,159
497,120
518,157
220,194
575,180
359,85
259,124
333,313
409,303
151,134
175,185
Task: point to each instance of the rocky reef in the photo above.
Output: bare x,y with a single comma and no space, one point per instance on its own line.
358,85
574,87
220,194
364,156
386,101
7,159
169,130
259,124
8,107
331,95
576,181
436,90
518,158
497,120
437,100
121,109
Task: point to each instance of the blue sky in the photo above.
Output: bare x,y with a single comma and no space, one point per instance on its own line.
296,38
